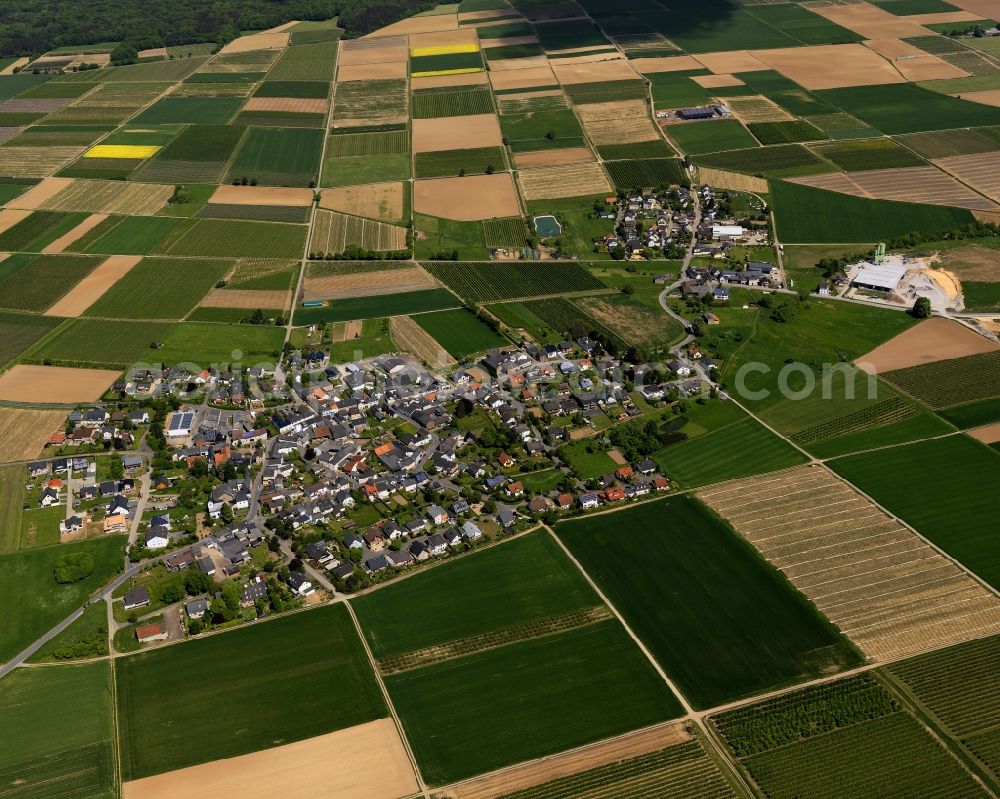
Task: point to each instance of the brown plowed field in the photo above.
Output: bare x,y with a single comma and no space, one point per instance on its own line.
571,180
41,193
936,339
23,383
25,431
373,51
595,72
367,761
411,337
843,65
522,78
890,592
374,71
256,41
519,778
468,199
262,195
456,133
716,81
446,81
988,434
670,63
431,24
725,63
868,20
367,284
61,243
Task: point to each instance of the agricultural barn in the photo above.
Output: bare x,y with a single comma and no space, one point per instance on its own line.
180,424
726,231
702,112
878,277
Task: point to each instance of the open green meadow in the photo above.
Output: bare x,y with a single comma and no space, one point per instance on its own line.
861,154
809,215
27,582
12,493
542,130
58,732
324,686
159,288
460,331
721,621
192,110
778,160
375,339
527,699
936,486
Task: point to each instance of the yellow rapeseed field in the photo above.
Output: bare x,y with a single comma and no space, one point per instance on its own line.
121,151
445,49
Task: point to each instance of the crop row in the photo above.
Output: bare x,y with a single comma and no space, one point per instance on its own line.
950,382
484,281
877,414
565,317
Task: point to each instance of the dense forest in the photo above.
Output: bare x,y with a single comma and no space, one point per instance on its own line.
29,27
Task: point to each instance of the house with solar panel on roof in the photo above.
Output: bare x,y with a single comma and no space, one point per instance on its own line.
179,424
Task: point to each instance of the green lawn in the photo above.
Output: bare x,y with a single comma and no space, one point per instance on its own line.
27,583
279,681
102,343
40,526
587,458
520,581
721,621
459,331
526,700
58,732
938,487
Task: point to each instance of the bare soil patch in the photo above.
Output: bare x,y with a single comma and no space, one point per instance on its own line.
247,298
411,337
261,195
363,762
346,331
522,78
456,133
557,157
37,196
465,16
379,71
60,244
935,339
295,105
111,197
472,198
432,24
24,383
727,62
868,20
596,72
587,58
571,180
382,201
843,65
35,162
517,64
376,283
990,434
519,778
256,41
25,431
617,457
445,81
673,63
983,9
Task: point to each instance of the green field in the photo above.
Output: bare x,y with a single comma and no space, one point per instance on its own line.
645,173
219,238
133,235
779,160
736,28
518,582
375,339
42,281
27,582
205,344
101,343
950,508
159,288
861,154
451,102
286,704
452,163
721,621
486,281
587,458
974,414
847,740
950,382
278,156
407,302
528,699
200,110
59,733
87,637
785,132
202,143
696,138
542,130
809,215
12,492
305,62
945,144
459,331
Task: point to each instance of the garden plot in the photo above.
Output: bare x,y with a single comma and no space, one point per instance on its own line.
936,339
621,122
978,171
411,337
382,201
571,180
843,65
332,232
891,593
456,133
335,281
758,109
469,199
35,162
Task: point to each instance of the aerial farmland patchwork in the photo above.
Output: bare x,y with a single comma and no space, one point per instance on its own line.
500,399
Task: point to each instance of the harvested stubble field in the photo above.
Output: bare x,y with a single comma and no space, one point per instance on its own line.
960,687
919,185
383,201
733,181
369,102
25,431
468,199
257,269
247,298
618,122
341,280
845,740
891,593
110,197
570,180
35,162
631,321
410,337
489,281
332,232
758,109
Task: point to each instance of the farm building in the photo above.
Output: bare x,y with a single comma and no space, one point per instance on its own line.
701,112
878,277
727,231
